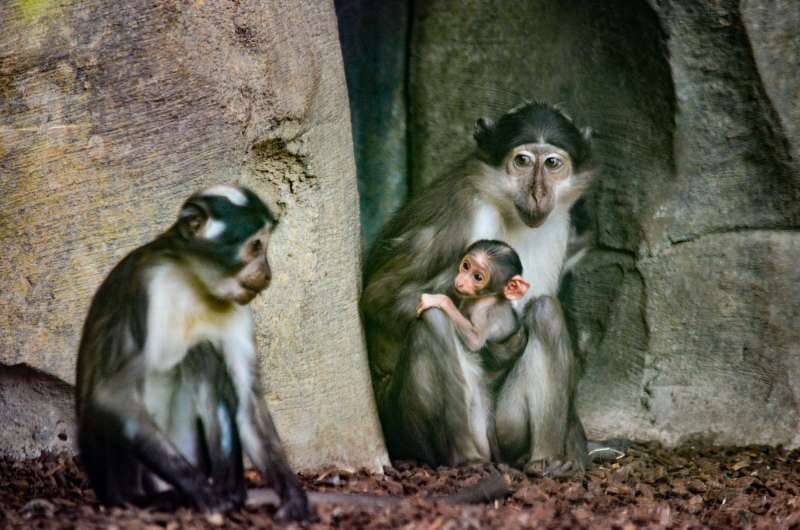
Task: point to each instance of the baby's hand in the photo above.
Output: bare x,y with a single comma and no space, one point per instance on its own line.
427,301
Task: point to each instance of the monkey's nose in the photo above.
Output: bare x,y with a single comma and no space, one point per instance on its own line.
258,283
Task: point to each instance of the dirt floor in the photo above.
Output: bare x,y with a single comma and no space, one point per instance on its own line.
651,487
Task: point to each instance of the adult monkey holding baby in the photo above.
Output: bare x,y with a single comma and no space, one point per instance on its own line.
437,402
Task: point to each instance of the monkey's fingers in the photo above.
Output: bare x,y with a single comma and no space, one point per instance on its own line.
212,503
558,468
550,468
296,509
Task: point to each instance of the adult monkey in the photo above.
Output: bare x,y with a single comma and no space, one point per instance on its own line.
437,402
167,396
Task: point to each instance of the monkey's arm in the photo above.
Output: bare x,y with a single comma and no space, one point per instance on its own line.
473,336
415,253
263,445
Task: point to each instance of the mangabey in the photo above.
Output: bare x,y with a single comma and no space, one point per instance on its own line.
489,278
166,390
529,168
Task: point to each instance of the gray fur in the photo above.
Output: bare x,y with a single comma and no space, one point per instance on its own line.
424,379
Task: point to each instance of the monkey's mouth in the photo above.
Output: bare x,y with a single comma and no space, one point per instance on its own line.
247,294
464,294
532,218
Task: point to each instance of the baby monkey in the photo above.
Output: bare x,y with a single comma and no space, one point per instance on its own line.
489,278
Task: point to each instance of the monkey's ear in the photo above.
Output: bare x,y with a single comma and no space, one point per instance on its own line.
515,288
483,129
192,219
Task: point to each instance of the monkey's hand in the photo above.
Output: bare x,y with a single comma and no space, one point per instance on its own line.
207,499
294,503
428,301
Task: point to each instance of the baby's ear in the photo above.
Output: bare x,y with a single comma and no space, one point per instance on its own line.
515,288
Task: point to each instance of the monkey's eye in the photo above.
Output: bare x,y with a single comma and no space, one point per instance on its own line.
523,160
256,246
478,277
465,265
553,162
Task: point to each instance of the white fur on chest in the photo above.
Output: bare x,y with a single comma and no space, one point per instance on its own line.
178,319
542,250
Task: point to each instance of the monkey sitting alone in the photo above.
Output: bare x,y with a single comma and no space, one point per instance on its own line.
167,394
489,278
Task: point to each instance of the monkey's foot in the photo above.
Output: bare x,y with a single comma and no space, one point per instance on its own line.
547,467
294,507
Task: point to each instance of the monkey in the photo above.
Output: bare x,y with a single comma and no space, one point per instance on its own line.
489,278
529,167
167,397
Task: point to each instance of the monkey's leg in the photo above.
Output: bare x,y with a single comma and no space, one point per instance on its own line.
127,425
439,403
224,452
210,419
536,403
116,476
263,445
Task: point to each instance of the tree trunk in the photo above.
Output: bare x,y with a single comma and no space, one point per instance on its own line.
112,113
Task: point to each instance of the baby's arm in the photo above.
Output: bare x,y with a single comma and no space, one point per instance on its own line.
470,334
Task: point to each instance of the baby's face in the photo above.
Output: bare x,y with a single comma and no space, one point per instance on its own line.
473,275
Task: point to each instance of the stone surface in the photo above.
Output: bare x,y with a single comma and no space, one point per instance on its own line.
723,358
688,345
37,411
112,113
682,314
772,29
697,342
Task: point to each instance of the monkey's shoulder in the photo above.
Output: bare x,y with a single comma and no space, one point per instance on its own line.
125,278
118,309
428,231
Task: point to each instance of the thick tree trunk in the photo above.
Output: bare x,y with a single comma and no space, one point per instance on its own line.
111,113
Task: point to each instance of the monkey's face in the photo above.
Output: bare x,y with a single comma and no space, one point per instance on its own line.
227,230
541,174
473,276
255,274
543,156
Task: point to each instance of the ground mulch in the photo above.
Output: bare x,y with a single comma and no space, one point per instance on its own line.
651,487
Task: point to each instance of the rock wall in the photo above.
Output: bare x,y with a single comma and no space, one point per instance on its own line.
683,312
697,341
112,113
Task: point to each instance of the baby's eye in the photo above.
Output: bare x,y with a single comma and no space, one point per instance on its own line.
478,277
